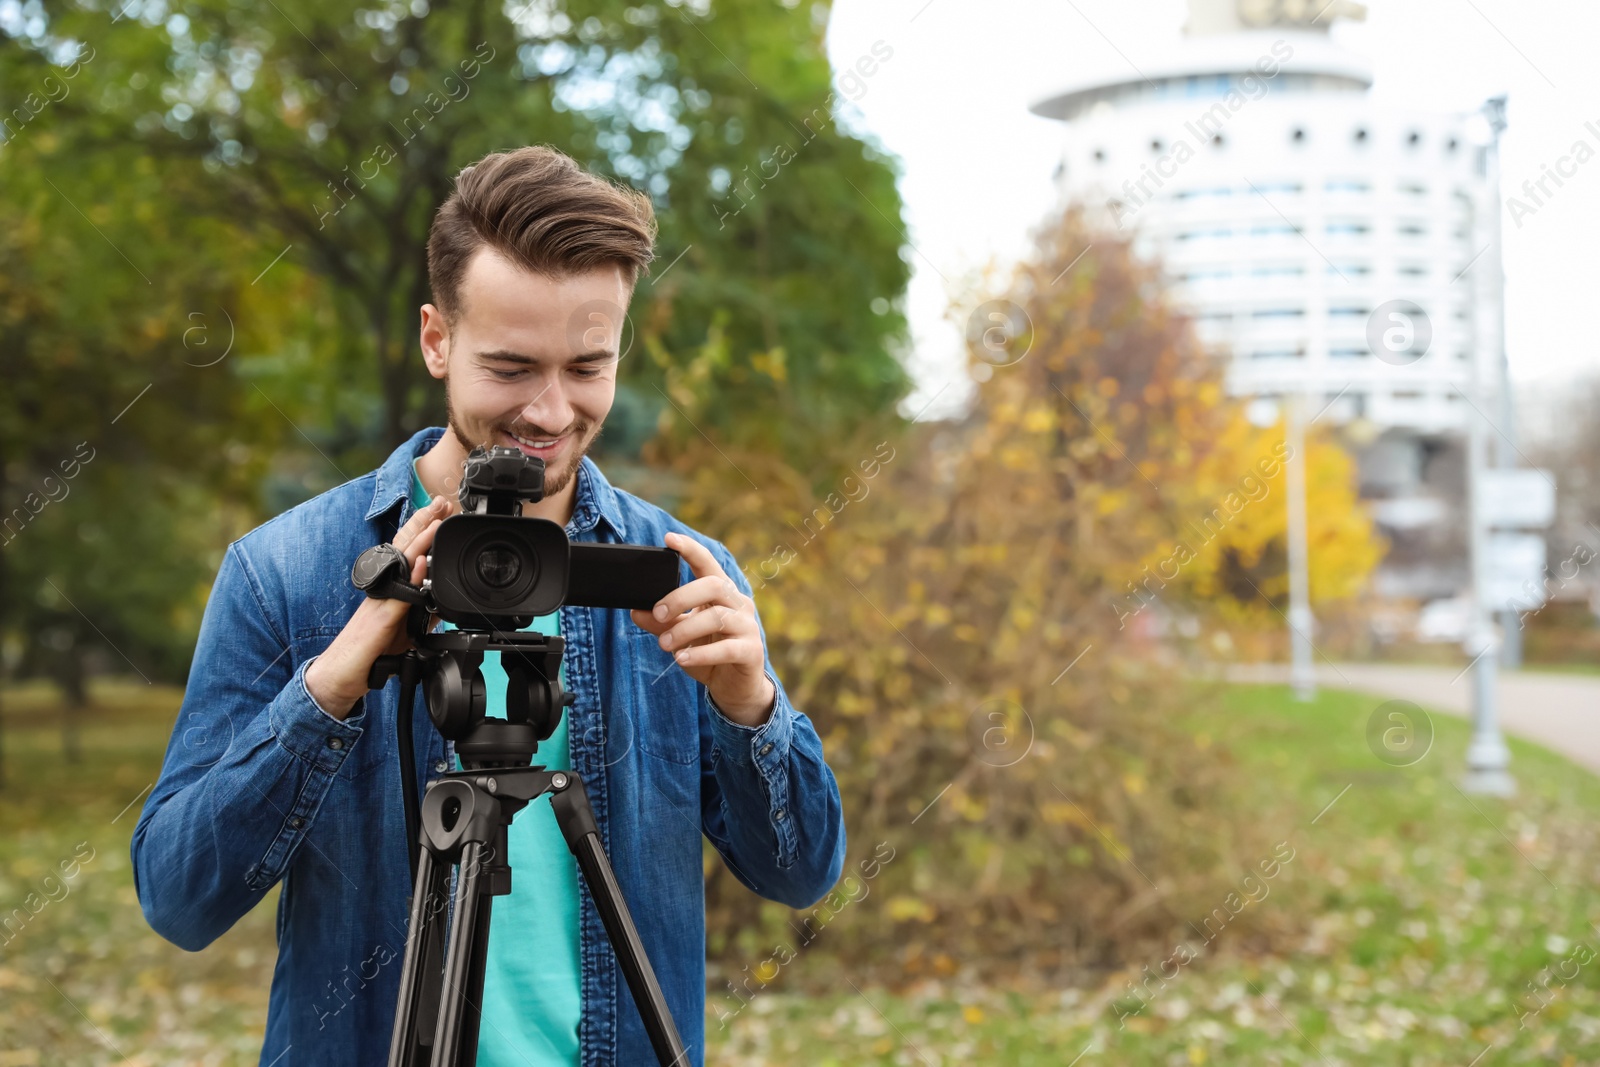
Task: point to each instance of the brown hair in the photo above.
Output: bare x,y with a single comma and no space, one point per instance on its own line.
543,212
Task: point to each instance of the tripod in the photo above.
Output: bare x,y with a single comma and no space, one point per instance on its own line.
463,821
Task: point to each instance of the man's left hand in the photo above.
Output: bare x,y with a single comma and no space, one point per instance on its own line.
710,629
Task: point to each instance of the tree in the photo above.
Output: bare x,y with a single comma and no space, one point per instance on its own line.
185,179
955,617
332,131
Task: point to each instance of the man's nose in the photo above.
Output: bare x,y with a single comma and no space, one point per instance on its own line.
549,409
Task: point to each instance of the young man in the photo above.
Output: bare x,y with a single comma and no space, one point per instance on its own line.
283,767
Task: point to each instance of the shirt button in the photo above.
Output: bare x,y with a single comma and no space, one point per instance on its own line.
766,748
296,822
441,766
778,814
335,743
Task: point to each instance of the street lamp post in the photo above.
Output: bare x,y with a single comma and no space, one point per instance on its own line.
1487,755
1302,674
1505,453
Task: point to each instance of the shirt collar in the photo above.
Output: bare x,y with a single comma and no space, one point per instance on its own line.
595,499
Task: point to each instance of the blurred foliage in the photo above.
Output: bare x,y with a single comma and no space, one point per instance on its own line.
329,132
121,470
217,212
949,615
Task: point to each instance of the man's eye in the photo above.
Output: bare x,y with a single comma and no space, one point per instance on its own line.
587,373
507,375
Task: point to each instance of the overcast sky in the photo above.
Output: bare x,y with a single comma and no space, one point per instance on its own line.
952,101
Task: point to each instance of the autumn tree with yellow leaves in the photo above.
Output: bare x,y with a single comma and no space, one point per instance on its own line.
953,614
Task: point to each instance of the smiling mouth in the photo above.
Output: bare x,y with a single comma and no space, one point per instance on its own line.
534,444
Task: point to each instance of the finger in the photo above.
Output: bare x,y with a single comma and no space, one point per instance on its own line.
418,548
707,623
702,592
714,653
645,621
419,520
701,562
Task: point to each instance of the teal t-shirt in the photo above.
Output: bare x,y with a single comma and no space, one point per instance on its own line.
532,993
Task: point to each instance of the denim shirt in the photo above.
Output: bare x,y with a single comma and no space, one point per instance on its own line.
261,786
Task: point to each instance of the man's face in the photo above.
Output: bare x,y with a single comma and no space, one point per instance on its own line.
531,362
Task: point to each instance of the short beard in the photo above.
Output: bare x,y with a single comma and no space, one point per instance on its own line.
555,481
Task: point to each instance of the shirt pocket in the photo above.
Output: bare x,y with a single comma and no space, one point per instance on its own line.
666,702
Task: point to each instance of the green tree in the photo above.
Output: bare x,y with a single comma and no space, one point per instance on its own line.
332,131
120,444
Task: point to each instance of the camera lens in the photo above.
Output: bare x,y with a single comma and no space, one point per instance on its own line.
499,565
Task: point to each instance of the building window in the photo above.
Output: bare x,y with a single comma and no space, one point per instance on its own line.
1413,139
1360,136
1281,270
1348,312
1346,229
1348,352
1099,155
1348,270
1413,270
1298,136
1278,353
1412,229
1273,229
1345,185
1278,313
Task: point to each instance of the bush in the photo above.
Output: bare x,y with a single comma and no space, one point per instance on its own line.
954,614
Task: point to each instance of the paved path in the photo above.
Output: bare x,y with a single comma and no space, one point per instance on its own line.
1558,711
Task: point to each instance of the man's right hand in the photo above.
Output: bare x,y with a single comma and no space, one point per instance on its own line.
337,679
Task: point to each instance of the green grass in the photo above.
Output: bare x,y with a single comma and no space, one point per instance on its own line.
1427,913
1588,669
1423,916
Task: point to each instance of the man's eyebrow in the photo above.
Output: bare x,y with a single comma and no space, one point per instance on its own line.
507,356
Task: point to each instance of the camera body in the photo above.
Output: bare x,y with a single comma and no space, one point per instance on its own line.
492,568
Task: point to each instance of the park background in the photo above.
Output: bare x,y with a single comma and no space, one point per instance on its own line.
212,225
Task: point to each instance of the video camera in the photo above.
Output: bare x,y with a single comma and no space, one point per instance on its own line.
492,568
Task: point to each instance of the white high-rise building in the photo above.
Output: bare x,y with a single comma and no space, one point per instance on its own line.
1331,247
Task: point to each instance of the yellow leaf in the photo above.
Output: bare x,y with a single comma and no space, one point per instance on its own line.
903,908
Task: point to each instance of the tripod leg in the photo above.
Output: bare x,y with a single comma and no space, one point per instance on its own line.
418,973
459,954
571,804
477,965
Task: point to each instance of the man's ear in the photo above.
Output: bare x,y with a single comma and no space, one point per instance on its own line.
434,335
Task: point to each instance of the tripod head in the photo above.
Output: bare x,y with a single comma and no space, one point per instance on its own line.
449,665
